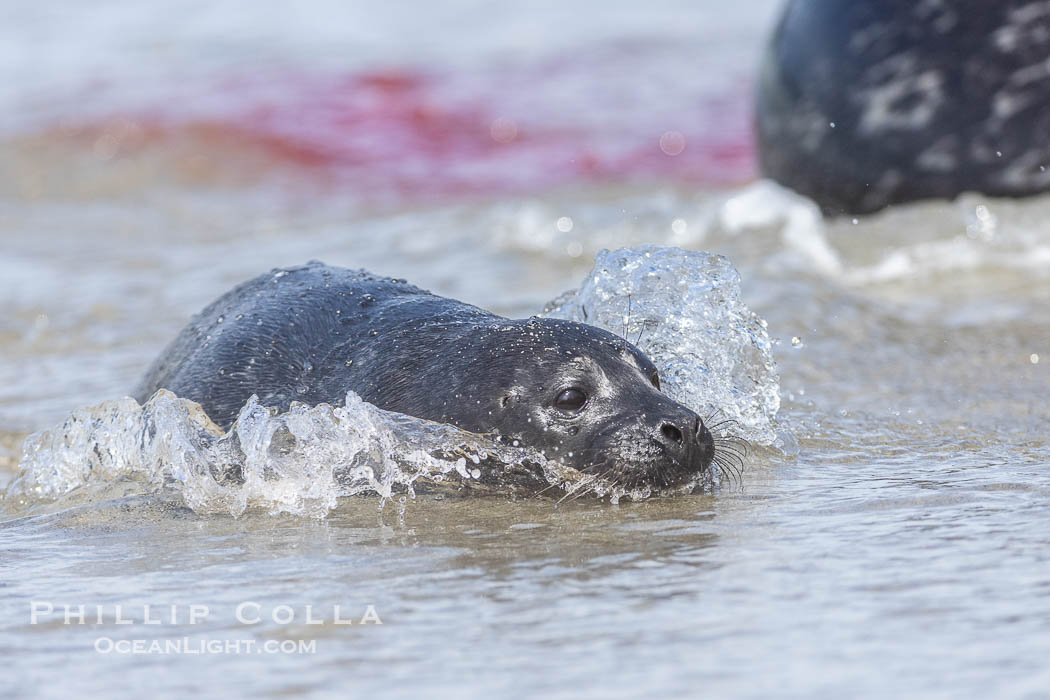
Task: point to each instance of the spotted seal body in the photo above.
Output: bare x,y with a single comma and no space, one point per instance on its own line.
865,104
314,332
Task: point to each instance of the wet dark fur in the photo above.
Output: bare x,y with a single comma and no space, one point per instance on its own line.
312,333
959,84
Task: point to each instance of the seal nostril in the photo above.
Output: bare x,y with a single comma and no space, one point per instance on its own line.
671,432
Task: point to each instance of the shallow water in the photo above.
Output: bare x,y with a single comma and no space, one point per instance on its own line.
903,551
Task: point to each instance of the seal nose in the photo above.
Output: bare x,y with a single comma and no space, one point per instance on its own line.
671,432
678,433
687,438
687,445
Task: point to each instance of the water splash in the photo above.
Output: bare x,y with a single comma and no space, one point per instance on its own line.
300,461
683,309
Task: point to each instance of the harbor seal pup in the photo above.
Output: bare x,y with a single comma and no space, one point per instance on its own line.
311,333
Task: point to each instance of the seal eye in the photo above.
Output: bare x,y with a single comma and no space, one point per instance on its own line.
570,400
655,379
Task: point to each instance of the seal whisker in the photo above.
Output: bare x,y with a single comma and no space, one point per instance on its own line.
728,471
713,423
730,448
579,489
627,322
732,463
590,489
735,445
731,456
548,488
645,326
725,421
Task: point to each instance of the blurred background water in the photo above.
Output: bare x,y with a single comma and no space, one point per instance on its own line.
155,154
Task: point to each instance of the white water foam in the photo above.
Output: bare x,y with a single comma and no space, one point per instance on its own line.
903,243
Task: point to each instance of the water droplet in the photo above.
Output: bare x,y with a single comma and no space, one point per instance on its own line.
672,143
796,341
503,130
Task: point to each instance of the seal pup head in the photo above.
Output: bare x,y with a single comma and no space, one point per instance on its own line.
588,399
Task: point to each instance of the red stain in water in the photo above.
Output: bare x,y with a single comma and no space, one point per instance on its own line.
419,135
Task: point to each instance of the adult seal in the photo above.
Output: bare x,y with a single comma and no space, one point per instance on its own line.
865,104
311,333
